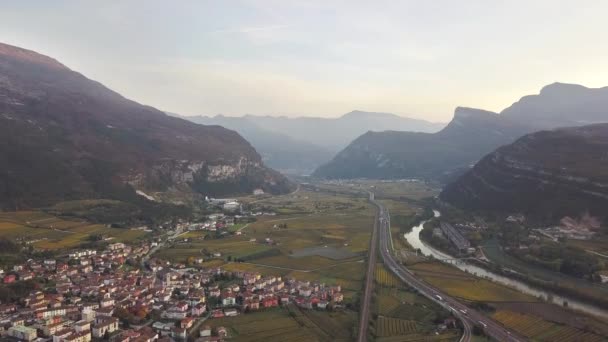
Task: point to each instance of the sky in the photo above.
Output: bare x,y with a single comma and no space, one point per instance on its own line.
319,57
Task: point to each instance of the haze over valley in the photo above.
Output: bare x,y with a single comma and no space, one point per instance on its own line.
385,171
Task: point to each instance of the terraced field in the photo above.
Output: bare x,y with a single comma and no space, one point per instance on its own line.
385,278
536,328
388,326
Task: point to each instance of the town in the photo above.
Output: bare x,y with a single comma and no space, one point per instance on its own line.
121,295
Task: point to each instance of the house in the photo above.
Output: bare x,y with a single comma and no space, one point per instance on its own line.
81,326
186,322
23,333
230,312
251,304
217,314
105,325
173,313
205,331
198,310
52,328
10,278
60,335
179,333
228,300
84,336
270,302
305,291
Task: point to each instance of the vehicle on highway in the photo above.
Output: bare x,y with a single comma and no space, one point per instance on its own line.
464,311
483,324
438,297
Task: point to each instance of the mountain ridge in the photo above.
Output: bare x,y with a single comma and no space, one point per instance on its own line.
470,135
392,154
546,174
312,140
65,137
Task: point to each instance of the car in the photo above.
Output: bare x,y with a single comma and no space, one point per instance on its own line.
464,311
438,297
483,324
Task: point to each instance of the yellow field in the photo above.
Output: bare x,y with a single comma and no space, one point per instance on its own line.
460,284
51,232
536,328
392,326
387,304
386,278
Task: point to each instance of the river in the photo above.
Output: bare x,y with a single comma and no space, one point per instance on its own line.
413,238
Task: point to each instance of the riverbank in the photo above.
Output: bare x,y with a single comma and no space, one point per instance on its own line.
413,238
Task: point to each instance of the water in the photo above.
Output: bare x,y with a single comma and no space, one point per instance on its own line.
413,238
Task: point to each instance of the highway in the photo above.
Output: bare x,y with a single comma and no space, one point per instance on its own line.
369,281
466,315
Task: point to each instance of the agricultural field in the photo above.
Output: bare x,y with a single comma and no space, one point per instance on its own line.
403,315
316,235
49,232
466,286
393,326
403,190
534,327
270,325
385,278
289,324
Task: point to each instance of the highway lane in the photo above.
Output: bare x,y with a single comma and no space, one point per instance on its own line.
466,315
369,281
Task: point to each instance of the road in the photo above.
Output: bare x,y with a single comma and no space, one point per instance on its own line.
466,315
369,281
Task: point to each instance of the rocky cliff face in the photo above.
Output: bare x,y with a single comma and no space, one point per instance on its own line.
547,175
64,137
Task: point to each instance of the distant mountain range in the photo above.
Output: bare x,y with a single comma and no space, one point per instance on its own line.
299,145
65,137
546,175
471,134
561,105
468,137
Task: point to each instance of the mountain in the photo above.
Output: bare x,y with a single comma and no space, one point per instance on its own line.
471,134
65,137
337,133
547,175
299,145
278,150
561,105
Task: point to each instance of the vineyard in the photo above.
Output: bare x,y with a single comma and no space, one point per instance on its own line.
538,329
388,326
386,278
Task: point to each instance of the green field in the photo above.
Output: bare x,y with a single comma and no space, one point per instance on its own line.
466,286
46,231
288,324
403,315
537,329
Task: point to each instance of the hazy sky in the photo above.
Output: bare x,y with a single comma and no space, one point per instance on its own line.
319,57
